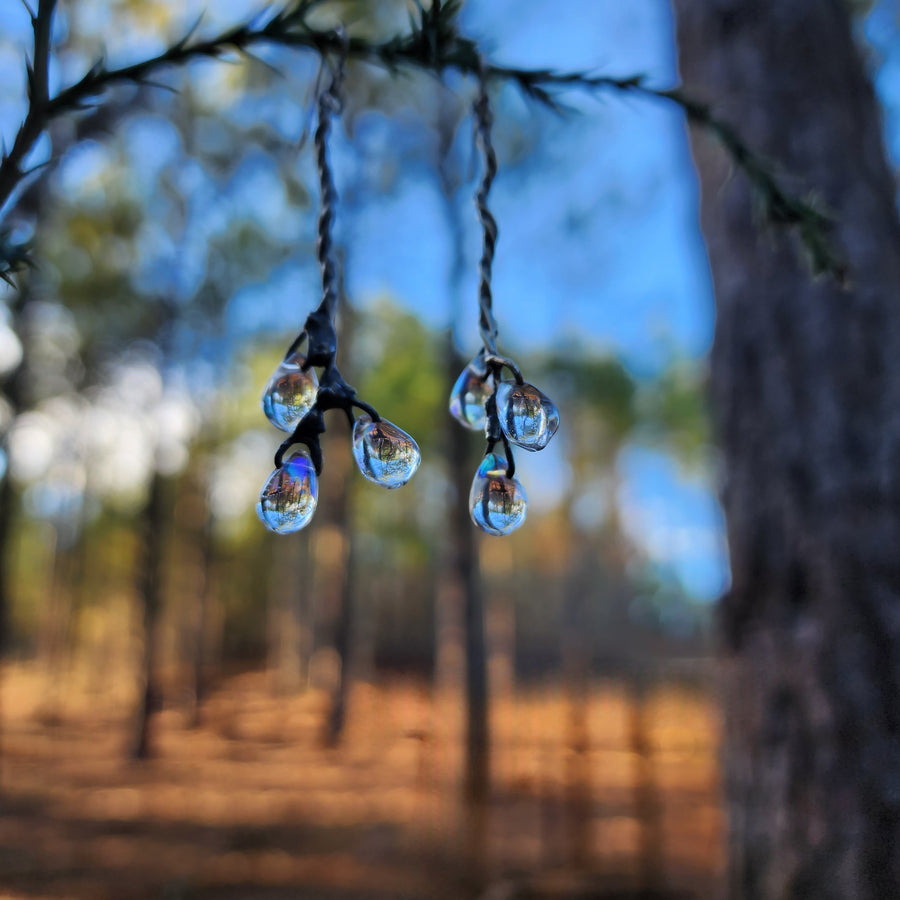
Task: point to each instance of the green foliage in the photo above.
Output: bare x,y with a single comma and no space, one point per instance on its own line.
603,385
403,377
675,413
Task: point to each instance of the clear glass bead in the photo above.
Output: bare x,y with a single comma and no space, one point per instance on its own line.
528,417
290,393
468,397
289,498
384,453
498,503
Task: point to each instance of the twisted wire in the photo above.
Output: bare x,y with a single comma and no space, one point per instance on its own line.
484,120
487,324
329,104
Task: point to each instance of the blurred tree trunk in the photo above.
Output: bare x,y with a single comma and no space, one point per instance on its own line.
576,670
462,566
151,552
461,570
648,809
340,588
7,506
291,615
198,638
343,634
56,636
806,392
10,388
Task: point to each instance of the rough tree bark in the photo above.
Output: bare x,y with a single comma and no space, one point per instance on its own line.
806,393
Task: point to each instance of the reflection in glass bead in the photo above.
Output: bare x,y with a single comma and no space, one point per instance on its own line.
384,453
528,417
289,498
290,393
468,397
497,502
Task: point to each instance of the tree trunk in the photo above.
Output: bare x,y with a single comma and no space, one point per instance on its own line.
343,643
806,393
341,585
149,590
11,388
7,503
575,632
290,613
462,564
198,628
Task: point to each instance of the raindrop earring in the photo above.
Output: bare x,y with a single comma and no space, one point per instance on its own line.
295,399
509,411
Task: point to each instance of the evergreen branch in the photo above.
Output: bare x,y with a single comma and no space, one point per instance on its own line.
776,205
433,43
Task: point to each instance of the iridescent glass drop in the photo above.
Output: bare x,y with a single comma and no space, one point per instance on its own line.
289,498
497,502
468,397
384,453
528,417
290,393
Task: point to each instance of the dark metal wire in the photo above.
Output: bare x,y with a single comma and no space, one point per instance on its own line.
329,104
484,121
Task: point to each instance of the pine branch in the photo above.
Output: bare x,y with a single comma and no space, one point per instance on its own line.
777,207
433,43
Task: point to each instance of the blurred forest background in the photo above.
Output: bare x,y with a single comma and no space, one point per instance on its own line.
192,706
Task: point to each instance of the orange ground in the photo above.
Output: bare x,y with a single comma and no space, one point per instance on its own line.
249,805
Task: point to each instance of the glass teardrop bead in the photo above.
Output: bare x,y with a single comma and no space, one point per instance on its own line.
468,397
290,393
528,417
384,453
498,503
289,498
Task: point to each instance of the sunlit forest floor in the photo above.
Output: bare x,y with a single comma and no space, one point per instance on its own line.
250,804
